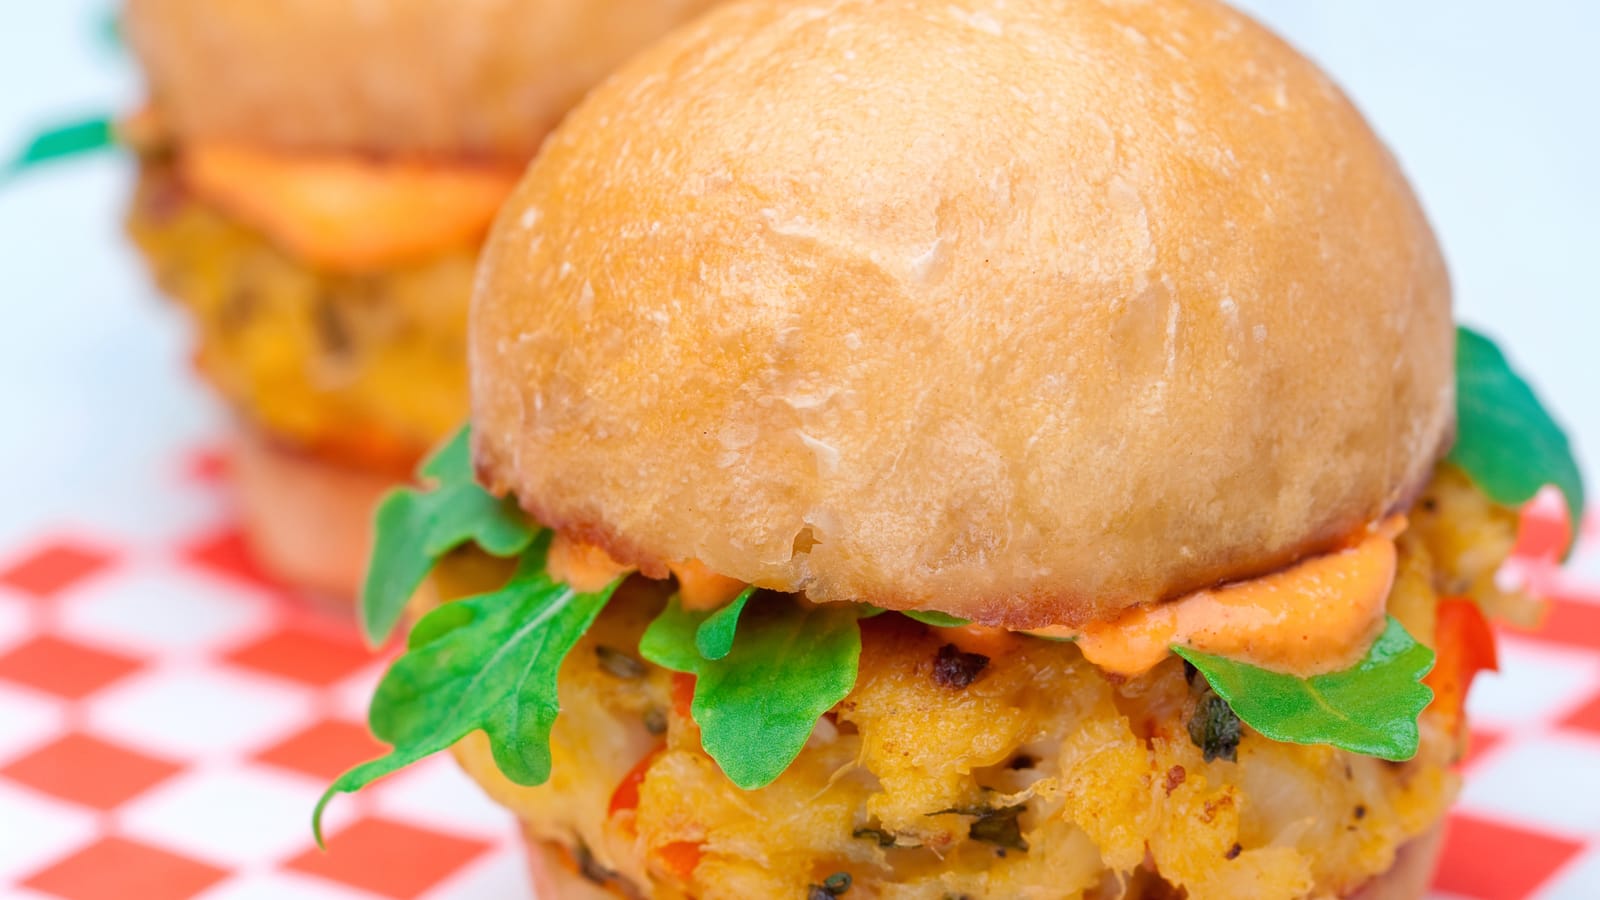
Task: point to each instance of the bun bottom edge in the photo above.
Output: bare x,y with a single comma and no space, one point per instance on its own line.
307,521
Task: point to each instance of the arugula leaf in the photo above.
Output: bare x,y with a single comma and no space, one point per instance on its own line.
756,706
1369,709
1506,441
790,663
935,618
714,637
926,617
484,663
69,139
669,640
417,527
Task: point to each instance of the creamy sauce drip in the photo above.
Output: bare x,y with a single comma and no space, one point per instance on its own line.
589,568
1318,615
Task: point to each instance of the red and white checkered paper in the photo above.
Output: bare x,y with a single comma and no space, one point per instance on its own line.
168,718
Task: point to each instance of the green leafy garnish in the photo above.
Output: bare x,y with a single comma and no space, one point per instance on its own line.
714,637
485,663
669,640
789,663
417,527
59,142
1506,441
1370,709
934,618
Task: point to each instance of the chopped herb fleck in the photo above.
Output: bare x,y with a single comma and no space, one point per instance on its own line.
992,826
960,811
655,720
1000,827
590,868
955,669
837,883
1361,811
884,838
619,664
1234,851
1215,729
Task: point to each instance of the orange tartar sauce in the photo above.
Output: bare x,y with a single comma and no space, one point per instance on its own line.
348,212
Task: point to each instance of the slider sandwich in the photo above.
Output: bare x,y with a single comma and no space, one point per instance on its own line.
964,450
315,180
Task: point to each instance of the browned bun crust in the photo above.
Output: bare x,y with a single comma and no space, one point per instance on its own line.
308,521
484,77
1027,313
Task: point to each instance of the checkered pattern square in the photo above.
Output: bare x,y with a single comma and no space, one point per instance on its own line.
324,749
53,567
66,669
1487,859
59,769
169,716
128,867
389,858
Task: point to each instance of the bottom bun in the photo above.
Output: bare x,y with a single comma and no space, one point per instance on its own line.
556,875
308,522
1408,878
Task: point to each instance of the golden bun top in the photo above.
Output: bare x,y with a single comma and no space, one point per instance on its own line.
1025,311
480,77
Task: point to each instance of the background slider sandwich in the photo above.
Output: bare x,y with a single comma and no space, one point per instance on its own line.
316,177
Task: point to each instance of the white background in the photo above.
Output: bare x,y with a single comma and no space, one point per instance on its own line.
1491,106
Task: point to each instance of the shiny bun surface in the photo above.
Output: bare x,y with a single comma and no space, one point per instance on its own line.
1027,312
